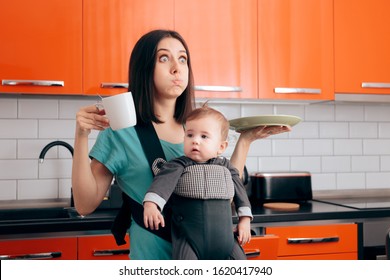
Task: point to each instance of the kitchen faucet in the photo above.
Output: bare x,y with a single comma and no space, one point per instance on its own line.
54,143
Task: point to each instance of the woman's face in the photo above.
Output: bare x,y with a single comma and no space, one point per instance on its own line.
171,70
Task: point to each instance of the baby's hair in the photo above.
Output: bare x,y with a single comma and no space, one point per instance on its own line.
206,111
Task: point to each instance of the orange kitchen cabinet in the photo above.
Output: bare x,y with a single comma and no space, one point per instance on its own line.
362,57
222,38
102,247
262,248
295,49
41,46
42,249
334,241
110,30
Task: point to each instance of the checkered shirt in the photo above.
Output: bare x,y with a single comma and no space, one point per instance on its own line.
205,181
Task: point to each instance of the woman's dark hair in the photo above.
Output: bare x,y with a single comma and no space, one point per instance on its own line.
141,73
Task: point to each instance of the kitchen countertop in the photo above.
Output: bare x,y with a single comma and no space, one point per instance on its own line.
99,222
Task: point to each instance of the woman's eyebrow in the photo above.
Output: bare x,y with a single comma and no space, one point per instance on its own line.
163,49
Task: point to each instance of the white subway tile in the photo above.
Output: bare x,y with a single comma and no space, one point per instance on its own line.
8,149
38,108
230,111
348,147
30,149
350,181
252,164
379,113
376,147
65,186
334,130
55,169
365,163
385,163
294,110
316,112
310,164
37,189
363,130
61,129
290,147
323,181
248,110
260,147
16,129
384,130
18,169
335,164
378,180
316,147
69,108
7,189
305,130
352,113
8,108
270,164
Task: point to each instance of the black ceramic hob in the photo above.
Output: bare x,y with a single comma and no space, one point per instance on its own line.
360,202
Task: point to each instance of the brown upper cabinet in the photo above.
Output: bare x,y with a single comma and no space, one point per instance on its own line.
110,31
362,44
295,46
41,46
222,37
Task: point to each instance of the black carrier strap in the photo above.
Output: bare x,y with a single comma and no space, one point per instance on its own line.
152,149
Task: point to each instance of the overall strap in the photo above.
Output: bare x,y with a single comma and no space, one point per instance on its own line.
152,148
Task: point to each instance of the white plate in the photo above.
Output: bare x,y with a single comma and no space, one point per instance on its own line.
268,120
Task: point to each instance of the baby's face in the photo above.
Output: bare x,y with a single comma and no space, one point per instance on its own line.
202,140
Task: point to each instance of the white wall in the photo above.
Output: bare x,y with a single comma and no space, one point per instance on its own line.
344,146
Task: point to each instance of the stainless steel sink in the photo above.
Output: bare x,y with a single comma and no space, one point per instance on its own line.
45,214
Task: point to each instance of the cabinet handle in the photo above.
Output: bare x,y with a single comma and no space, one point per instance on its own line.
41,83
253,254
312,240
101,253
218,88
297,90
375,85
37,256
114,85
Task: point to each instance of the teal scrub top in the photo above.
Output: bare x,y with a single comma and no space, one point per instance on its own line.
121,152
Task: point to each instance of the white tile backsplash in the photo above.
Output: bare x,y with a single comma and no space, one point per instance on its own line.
344,146
8,108
18,129
8,149
37,109
37,189
351,113
317,147
363,130
377,113
348,147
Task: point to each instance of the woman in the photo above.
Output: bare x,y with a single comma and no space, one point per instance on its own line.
160,78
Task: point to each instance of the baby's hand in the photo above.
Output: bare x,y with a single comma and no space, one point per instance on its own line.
152,216
244,230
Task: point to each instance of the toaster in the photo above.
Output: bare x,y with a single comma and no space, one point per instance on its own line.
279,187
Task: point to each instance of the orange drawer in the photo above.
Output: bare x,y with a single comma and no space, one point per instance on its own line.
341,256
323,239
262,247
102,247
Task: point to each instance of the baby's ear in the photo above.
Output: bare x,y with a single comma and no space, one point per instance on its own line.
222,147
157,165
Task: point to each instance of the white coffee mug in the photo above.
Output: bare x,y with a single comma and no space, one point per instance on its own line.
120,110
